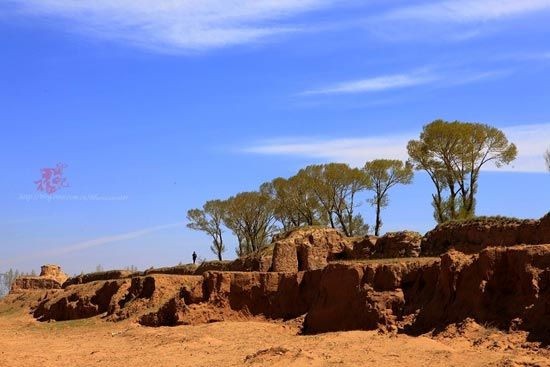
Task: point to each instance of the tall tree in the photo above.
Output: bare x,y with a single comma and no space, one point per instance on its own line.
453,153
295,203
385,174
209,219
284,203
250,216
336,185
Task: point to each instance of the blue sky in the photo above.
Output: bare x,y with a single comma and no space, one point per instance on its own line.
158,106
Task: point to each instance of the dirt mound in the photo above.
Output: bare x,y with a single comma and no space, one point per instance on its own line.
260,261
361,248
213,266
51,277
79,302
308,248
239,296
273,295
53,272
281,356
398,244
34,283
474,235
187,269
118,299
367,296
508,287
102,275
150,294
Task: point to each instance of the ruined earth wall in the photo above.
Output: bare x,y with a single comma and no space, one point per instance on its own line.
474,235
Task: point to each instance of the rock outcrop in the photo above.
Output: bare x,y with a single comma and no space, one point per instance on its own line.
368,296
51,277
187,269
239,295
308,248
472,236
260,261
508,287
81,301
273,295
148,295
34,283
213,266
53,272
361,248
118,299
102,275
398,244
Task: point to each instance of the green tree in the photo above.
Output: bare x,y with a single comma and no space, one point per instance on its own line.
453,153
385,174
209,219
335,186
250,216
284,203
295,204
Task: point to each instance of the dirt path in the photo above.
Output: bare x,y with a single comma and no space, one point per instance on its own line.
93,342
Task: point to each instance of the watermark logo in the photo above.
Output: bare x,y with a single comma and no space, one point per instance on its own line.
52,179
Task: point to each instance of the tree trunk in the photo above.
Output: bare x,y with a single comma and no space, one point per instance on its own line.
378,222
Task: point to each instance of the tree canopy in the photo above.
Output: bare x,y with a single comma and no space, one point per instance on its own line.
336,185
250,216
384,174
209,219
453,153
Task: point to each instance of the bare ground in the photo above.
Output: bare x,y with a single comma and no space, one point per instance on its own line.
95,342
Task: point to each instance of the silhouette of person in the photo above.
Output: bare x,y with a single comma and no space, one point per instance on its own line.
194,257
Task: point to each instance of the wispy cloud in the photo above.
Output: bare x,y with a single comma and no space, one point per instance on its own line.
531,140
96,242
355,151
168,24
468,10
101,241
379,83
398,81
450,20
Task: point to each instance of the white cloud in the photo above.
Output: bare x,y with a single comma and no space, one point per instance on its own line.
450,20
374,84
397,81
355,151
169,24
110,239
96,242
531,140
468,10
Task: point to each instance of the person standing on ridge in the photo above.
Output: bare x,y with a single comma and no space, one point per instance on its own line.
194,257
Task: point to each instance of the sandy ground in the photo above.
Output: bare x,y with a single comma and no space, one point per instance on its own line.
94,342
